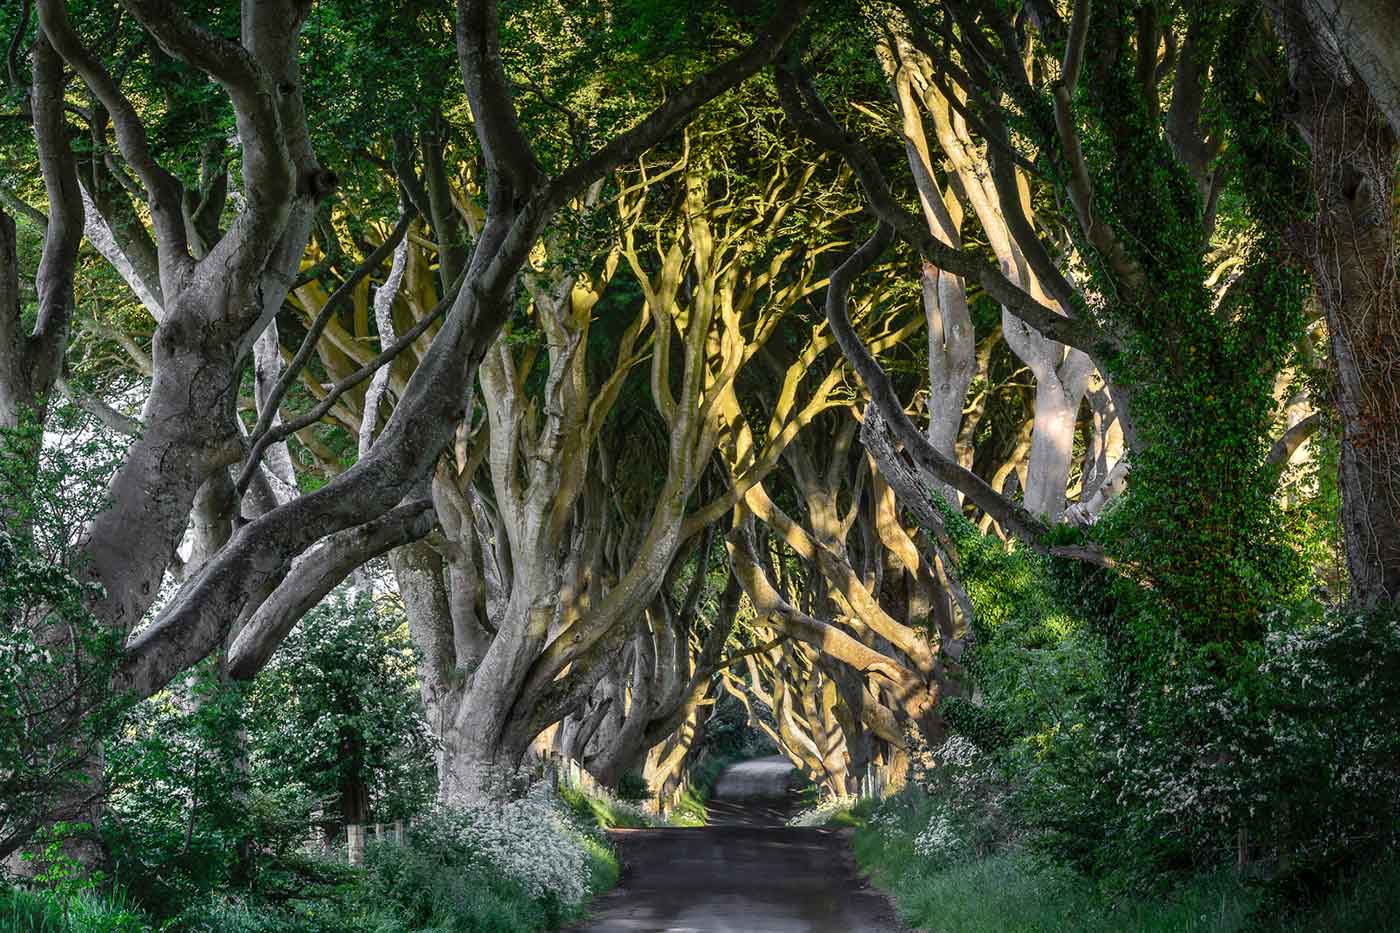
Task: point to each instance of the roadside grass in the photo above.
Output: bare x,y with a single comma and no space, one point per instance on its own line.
604,810
1011,894
850,812
690,808
1016,893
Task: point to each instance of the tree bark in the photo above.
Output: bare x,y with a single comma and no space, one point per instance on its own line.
1352,249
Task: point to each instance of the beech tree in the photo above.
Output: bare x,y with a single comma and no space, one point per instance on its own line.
1344,72
220,286
1100,289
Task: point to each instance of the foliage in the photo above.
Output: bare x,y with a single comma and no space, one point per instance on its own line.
214,784
599,808
521,865
91,911
633,786
518,865
1139,773
180,810
1013,892
1032,894
339,704
1293,772
55,660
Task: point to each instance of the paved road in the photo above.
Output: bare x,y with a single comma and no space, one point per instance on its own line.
744,873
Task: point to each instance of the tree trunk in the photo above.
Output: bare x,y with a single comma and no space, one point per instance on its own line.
1352,251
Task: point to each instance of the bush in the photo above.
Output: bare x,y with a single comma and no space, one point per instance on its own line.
56,660
520,865
1141,759
517,866
213,784
338,707
1293,769
633,787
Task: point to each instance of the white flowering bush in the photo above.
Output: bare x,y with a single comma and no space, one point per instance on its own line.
1291,771
521,862
968,796
951,811
530,839
941,841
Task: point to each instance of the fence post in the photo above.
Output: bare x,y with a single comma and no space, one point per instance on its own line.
355,836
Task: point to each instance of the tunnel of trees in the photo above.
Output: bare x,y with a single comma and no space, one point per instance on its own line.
989,405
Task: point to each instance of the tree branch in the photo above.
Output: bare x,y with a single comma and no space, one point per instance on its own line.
677,109
318,572
806,112
282,431
1284,448
323,317
1011,517
162,188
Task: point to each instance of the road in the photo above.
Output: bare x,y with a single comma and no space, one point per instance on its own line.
744,873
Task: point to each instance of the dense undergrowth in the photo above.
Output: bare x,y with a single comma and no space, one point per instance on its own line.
1013,890
1108,777
215,787
531,864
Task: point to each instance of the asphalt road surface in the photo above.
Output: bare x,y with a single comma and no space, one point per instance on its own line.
744,873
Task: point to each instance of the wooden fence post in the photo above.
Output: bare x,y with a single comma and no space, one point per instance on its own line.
355,850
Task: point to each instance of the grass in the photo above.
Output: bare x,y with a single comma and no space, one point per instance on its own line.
604,811
88,912
1010,894
1014,893
690,808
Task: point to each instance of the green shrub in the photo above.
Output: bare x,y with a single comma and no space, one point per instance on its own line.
437,885
1142,759
448,877
1016,891
213,784
56,660
633,787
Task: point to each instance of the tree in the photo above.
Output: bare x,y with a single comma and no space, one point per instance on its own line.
1189,381
55,708
218,281
337,712
1352,129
